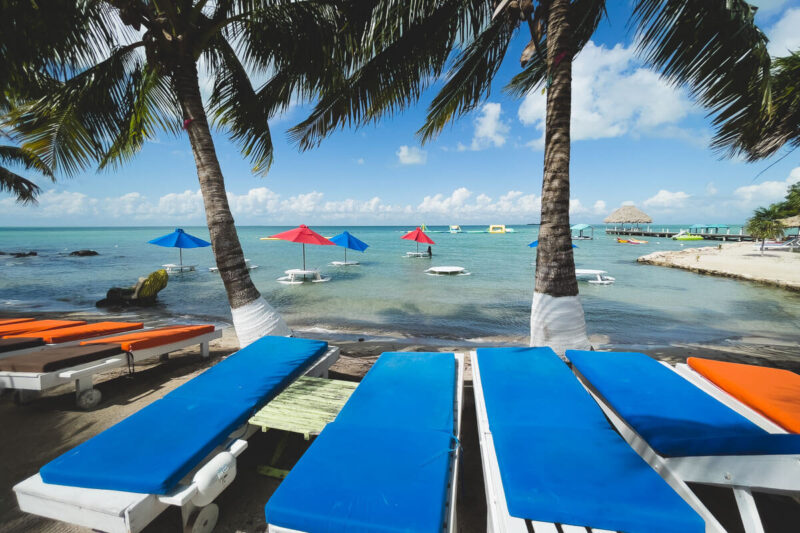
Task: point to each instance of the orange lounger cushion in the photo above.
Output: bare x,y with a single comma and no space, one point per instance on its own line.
154,337
773,392
7,321
37,325
86,331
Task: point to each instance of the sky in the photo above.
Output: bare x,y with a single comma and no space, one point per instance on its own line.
635,140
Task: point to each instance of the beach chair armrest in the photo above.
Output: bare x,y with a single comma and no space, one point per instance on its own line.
185,493
772,473
88,371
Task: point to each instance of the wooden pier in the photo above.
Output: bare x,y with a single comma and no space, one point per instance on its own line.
651,232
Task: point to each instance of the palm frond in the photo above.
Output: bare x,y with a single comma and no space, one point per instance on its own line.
395,75
711,46
471,80
24,189
16,155
236,106
758,131
151,107
78,122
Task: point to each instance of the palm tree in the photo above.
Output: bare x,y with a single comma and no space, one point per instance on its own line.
711,46
126,70
764,225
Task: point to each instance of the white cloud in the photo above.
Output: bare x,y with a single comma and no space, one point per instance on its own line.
411,155
665,199
599,207
360,161
490,129
576,207
784,36
762,194
612,96
711,189
628,202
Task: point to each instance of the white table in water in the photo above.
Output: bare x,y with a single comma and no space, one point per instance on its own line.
298,275
417,254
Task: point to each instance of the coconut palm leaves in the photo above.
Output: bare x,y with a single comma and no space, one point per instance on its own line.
24,189
765,224
104,113
713,47
772,121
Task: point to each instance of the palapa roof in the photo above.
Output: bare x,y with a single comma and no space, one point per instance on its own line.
791,222
628,214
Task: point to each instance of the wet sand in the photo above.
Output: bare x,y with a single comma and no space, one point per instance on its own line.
35,433
741,260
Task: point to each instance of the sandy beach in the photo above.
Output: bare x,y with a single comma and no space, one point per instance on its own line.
52,424
735,260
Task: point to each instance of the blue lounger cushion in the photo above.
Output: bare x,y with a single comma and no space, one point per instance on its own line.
363,479
416,388
383,464
153,449
559,459
676,418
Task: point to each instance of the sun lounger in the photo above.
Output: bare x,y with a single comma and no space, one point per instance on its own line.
33,326
7,321
44,369
29,341
552,463
180,450
686,434
389,460
768,397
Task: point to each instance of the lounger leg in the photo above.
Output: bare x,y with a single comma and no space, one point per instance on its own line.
24,397
204,349
86,396
199,519
748,510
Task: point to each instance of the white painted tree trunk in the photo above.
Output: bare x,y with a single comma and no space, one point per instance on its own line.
558,322
255,319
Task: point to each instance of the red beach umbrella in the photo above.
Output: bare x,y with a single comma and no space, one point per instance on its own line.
305,235
419,236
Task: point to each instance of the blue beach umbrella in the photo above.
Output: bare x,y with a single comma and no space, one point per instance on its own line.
346,240
180,239
535,243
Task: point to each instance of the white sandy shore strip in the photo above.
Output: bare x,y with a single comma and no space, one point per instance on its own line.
735,260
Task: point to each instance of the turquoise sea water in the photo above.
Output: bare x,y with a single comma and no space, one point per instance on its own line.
390,295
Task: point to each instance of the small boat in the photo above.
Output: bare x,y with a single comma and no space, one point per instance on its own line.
499,228
684,235
455,229
249,265
595,277
630,241
447,271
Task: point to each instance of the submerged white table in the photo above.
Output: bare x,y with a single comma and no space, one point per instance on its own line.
296,276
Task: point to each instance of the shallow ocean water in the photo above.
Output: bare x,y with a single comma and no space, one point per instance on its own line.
390,295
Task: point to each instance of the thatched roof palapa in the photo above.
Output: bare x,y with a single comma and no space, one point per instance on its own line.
628,214
791,222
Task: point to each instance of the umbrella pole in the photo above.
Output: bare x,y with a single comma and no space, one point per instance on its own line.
180,254
345,256
417,246
304,260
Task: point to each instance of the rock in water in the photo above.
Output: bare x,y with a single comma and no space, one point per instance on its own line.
143,293
83,253
24,254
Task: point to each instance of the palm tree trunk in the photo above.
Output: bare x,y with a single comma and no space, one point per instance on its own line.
557,318
253,317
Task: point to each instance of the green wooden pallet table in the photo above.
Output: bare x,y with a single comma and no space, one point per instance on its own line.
305,407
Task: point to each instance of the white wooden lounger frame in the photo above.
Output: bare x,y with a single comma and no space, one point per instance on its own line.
498,519
450,526
779,474
130,512
86,396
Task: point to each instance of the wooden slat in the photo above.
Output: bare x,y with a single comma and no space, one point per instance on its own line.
306,406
